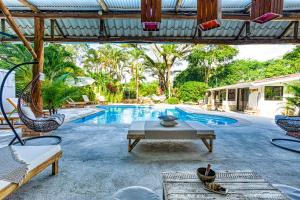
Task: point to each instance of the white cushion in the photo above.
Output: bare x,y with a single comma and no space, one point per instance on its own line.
85,98
34,156
28,112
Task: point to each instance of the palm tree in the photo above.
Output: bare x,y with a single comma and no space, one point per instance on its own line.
59,61
113,60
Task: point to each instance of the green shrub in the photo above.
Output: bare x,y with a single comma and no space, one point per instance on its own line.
173,100
56,93
149,89
191,91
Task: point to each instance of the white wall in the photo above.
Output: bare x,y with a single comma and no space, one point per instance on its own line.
270,108
9,89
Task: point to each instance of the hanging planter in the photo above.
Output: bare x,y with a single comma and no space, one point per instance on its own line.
151,14
263,11
208,13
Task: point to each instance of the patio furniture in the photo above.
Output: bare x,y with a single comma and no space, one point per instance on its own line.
135,192
38,158
45,124
101,100
287,144
244,184
14,103
185,130
289,124
14,119
87,100
72,104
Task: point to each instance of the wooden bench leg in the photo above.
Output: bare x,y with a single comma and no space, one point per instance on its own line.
132,145
55,168
209,145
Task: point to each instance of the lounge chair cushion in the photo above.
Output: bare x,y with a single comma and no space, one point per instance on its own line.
28,112
135,192
34,156
59,118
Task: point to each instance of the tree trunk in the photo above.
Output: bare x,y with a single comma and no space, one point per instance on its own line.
38,68
137,82
169,81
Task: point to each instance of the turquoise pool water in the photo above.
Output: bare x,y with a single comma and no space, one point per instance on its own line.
127,114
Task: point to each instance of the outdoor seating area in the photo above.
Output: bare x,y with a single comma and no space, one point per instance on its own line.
38,158
149,99
184,130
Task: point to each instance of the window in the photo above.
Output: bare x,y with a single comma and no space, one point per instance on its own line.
223,95
231,95
273,93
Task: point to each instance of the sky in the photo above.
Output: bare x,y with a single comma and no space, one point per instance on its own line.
262,52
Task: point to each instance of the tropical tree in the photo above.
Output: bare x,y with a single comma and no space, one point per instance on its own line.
136,63
293,102
113,60
210,58
58,61
160,59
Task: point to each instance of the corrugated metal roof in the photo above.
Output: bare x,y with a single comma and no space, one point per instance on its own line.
227,5
133,27
168,28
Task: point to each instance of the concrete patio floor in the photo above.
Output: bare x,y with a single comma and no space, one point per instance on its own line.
96,163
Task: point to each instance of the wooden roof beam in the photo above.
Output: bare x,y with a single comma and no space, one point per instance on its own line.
287,16
15,27
286,30
296,29
103,5
29,5
241,31
229,41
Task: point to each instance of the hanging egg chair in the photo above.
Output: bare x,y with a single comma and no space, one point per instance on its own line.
26,110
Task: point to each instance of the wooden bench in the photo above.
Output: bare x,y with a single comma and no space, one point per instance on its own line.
137,132
41,157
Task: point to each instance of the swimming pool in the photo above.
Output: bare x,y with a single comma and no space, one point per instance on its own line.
126,114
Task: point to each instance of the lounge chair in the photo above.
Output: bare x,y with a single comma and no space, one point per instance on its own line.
14,103
72,104
38,158
14,120
289,124
87,100
101,100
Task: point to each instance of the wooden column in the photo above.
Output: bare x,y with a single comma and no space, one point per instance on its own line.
38,68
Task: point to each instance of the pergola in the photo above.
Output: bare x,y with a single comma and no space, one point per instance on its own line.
119,21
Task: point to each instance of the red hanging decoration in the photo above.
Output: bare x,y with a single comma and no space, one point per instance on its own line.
263,11
208,12
151,14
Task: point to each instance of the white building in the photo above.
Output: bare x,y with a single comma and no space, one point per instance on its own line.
263,97
9,89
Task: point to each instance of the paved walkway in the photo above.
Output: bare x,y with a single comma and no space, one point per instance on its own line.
96,163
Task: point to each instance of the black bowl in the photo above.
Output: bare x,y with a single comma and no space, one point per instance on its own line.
211,175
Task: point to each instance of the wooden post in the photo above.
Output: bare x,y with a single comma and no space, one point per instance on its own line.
38,68
15,27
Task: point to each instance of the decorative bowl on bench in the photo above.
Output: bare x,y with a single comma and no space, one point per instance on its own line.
168,120
209,178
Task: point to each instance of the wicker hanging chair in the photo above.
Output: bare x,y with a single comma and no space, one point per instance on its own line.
45,124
